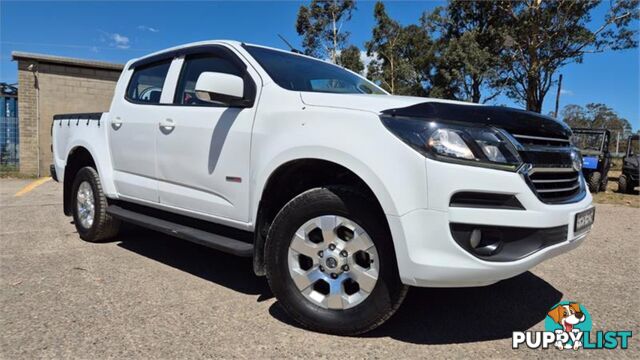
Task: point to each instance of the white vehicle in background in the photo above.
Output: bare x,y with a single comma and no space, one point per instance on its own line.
343,194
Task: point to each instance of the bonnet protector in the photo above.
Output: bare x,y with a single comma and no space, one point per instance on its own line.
515,121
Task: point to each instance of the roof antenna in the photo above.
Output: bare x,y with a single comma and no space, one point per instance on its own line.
293,50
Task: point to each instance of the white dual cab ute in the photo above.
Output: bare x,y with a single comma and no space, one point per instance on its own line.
343,194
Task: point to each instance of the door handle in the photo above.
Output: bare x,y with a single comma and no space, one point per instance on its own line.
167,125
116,123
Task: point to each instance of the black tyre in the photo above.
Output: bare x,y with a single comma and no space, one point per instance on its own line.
330,262
594,181
89,207
604,183
623,184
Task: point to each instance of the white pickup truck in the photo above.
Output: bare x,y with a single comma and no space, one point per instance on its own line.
343,194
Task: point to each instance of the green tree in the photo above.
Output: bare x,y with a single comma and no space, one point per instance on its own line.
543,36
350,58
416,50
402,55
598,116
594,116
320,23
384,46
467,38
575,116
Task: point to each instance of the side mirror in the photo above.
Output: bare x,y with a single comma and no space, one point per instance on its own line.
220,88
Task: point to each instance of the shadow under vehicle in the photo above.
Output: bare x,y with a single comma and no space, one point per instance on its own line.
630,169
596,159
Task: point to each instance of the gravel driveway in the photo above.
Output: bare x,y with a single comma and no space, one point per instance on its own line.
147,295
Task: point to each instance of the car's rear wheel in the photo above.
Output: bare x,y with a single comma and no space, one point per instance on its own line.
89,206
594,181
331,263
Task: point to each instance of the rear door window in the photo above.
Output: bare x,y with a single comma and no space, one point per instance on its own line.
146,83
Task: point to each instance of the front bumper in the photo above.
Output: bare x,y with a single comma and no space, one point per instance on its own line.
428,255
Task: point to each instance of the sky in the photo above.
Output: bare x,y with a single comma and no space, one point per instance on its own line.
118,31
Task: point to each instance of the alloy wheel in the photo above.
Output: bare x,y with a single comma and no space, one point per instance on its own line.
333,262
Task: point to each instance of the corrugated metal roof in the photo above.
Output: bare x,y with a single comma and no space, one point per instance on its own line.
19,55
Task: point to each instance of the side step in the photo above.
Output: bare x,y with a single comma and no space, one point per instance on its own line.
218,242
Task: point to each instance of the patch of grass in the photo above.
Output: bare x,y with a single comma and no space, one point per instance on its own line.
11,171
612,196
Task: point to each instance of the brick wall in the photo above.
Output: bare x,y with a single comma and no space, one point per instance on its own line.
27,121
63,89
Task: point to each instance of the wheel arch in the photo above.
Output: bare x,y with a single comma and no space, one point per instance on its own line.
77,158
280,186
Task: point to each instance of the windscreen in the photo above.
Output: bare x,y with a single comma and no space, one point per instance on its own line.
588,142
299,73
634,147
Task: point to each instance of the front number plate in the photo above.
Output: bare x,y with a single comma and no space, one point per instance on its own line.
584,220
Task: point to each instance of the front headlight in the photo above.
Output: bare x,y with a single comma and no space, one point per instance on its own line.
576,160
454,142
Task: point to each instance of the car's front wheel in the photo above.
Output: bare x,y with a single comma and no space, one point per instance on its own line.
331,263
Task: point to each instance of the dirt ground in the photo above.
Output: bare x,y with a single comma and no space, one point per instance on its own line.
612,196
147,295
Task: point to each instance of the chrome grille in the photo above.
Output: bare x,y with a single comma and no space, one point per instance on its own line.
549,168
555,184
528,140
